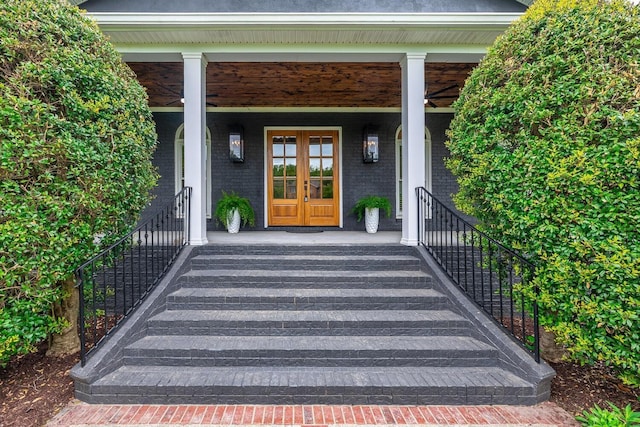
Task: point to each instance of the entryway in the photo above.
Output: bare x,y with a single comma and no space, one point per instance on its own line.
303,177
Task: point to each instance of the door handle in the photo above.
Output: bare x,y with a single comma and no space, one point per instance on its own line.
306,197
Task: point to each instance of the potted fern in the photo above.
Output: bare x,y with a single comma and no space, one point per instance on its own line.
369,208
232,209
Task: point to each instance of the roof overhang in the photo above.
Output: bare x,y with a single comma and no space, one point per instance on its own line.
234,34
525,2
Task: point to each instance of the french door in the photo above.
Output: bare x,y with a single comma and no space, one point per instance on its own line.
303,178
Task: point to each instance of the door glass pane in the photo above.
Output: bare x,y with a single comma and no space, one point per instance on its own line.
314,189
327,147
314,146
291,170
290,150
278,188
327,188
278,167
291,192
327,167
278,149
314,167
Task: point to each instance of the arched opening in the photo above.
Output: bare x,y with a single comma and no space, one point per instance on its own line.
179,165
427,167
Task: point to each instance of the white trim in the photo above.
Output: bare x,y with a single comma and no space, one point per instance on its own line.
398,150
286,109
341,176
305,109
427,166
525,2
166,109
195,125
413,156
265,180
178,171
372,21
265,165
233,34
445,110
299,52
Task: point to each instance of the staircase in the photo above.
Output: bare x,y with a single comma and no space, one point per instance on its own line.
301,325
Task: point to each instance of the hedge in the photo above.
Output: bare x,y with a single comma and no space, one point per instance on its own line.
545,146
76,140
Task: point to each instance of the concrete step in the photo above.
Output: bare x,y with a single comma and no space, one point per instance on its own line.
312,324
308,278
310,298
279,385
307,322
317,351
278,261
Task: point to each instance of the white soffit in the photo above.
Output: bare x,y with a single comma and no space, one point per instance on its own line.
326,29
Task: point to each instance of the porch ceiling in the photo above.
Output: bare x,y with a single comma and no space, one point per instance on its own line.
299,84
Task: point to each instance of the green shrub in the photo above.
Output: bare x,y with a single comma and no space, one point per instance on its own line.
615,417
546,149
76,140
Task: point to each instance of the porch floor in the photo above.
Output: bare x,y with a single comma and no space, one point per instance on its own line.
304,238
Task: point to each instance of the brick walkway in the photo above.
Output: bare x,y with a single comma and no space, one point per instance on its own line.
81,414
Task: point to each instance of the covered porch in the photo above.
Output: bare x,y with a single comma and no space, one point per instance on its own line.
335,67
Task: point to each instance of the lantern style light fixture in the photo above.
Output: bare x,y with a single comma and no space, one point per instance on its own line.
236,144
370,144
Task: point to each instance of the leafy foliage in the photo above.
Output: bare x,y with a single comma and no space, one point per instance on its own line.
546,149
371,202
615,417
76,139
231,201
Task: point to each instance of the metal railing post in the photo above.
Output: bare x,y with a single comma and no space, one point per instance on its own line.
80,287
488,265
110,286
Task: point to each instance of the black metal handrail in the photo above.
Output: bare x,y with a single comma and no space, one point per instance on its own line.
493,276
114,282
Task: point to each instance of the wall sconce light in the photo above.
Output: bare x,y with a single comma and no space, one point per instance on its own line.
236,144
370,144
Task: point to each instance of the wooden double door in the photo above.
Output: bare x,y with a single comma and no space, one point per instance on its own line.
303,177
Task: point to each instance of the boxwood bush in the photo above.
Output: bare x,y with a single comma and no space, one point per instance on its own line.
545,145
76,139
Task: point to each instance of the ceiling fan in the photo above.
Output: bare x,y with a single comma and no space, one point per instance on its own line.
180,98
440,94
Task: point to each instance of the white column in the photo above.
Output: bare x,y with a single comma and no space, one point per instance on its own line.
195,133
413,173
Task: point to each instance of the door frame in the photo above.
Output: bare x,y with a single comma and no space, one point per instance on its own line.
266,161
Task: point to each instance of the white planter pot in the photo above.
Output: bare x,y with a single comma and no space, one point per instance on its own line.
233,221
371,219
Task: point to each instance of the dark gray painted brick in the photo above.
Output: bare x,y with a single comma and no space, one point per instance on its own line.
252,335
247,179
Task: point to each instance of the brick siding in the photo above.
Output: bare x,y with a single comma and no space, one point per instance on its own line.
247,179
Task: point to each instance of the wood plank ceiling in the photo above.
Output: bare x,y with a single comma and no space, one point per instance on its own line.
300,84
